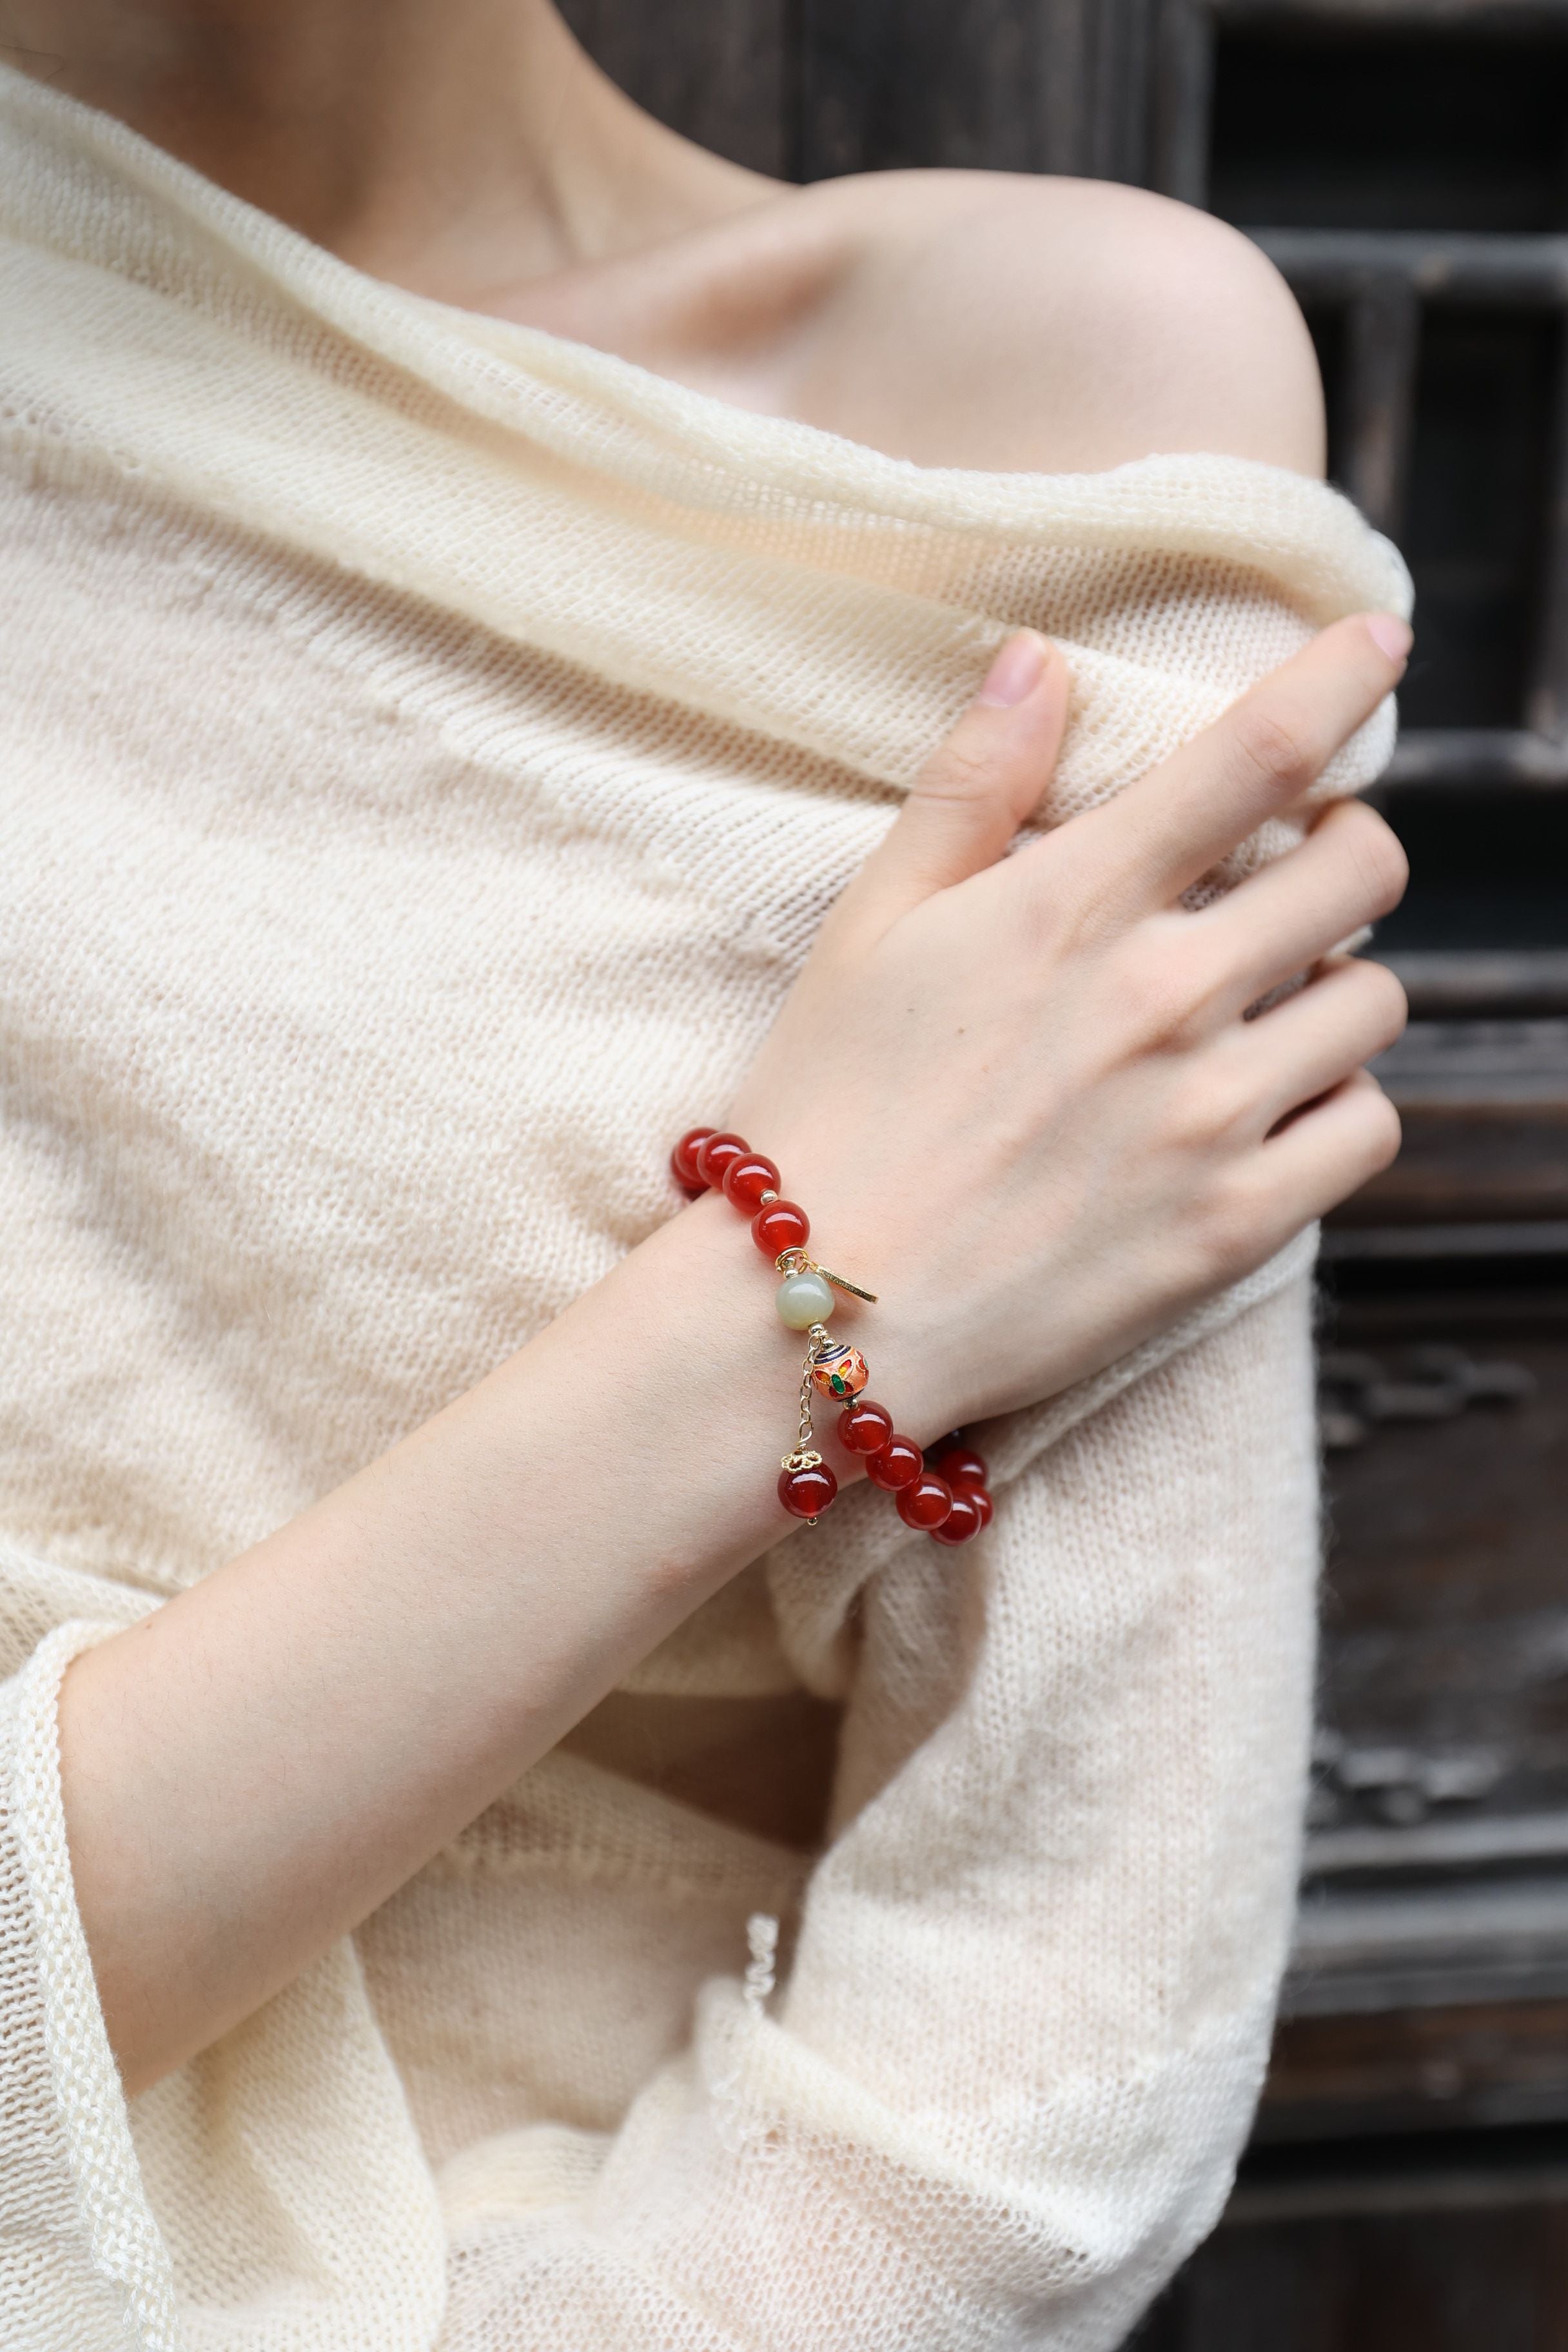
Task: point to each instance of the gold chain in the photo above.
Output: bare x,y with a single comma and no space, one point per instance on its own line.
805,1455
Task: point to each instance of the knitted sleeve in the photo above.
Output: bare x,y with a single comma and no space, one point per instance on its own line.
1024,2027
1002,2091
272,2196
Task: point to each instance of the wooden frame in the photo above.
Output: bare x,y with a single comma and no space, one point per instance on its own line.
1385,282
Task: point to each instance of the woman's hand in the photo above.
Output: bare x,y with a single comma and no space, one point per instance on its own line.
1022,1097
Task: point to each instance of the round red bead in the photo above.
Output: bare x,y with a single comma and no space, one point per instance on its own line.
806,1492
963,1519
959,1463
897,1463
715,1158
747,1179
982,1502
864,1427
927,1502
683,1160
779,1227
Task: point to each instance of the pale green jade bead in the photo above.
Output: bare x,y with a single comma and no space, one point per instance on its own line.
803,1300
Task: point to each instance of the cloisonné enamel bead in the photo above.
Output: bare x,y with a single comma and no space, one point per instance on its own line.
838,1371
803,1299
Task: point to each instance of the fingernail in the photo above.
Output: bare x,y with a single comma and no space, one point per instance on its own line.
1017,670
1389,634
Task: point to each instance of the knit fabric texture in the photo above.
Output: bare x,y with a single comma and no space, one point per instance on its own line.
428,750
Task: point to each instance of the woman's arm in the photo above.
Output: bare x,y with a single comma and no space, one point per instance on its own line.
1063,1133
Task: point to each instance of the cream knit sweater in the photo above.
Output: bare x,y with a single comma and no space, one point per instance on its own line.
427,749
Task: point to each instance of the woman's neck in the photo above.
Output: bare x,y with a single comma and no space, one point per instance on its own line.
455,150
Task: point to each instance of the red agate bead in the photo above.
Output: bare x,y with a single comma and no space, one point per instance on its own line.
959,1463
683,1160
965,1519
779,1227
805,1493
897,1463
747,1179
982,1501
926,1502
715,1157
864,1427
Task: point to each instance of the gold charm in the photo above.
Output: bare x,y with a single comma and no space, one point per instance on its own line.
852,1287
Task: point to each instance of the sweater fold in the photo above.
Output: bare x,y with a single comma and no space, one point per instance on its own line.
427,751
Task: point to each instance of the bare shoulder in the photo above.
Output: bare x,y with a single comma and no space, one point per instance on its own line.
995,320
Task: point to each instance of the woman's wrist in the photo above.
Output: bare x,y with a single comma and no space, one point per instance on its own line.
946,1497
678,1367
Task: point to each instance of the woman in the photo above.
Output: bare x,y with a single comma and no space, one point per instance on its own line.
489,689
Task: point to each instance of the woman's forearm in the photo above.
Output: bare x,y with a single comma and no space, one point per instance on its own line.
254,1767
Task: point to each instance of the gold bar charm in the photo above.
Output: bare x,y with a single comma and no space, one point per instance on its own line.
852,1287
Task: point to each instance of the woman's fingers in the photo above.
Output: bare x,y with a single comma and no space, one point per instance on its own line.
977,788
1323,1155
1307,1046
1349,871
1162,832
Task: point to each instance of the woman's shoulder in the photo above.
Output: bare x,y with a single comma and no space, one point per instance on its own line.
1001,320
991,319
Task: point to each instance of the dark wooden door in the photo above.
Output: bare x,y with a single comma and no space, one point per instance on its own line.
1405,162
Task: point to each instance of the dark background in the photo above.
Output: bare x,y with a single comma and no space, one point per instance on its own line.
1406,163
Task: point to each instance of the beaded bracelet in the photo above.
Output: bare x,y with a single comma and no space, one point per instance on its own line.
945,1495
